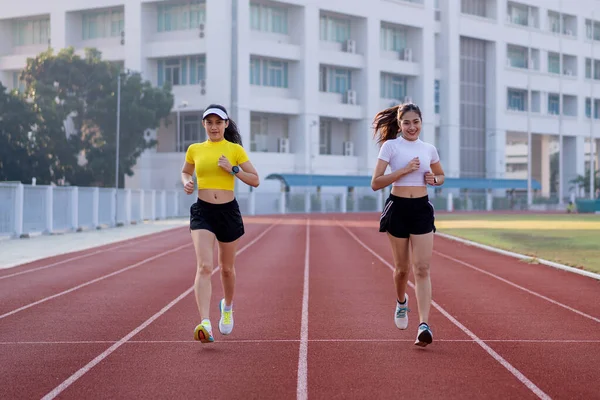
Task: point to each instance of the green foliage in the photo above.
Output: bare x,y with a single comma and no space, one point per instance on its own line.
584,180
22,154
75,100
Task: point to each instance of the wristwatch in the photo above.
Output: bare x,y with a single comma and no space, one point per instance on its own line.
235,169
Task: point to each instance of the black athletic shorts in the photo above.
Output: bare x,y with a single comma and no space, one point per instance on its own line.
402,216
224,220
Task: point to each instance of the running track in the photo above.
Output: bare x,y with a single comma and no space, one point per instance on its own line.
313,319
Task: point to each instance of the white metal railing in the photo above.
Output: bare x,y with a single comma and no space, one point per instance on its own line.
27,209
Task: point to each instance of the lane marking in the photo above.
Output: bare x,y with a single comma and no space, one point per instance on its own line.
81,256
302,383
466,264
518,374
82,371
267,341
45,299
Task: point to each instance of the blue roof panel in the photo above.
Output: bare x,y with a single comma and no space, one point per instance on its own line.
295,180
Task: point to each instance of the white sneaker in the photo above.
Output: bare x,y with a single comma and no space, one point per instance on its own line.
424,335
401,314
226,321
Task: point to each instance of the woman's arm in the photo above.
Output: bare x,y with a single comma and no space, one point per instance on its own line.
187,177
248,174
379,180
437,172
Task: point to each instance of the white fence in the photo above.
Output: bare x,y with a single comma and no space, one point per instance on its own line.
27,209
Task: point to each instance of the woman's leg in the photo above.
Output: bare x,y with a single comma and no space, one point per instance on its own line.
401,254
422,249
204,242
227,252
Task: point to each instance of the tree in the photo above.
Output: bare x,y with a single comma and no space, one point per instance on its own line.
142,108
22,154
584,180
83,92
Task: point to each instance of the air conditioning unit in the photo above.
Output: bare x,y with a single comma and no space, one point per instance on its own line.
568,72
348,148
283,145
406,54
350,46
569,32
351,97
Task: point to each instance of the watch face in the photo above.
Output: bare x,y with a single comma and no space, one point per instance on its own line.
235,169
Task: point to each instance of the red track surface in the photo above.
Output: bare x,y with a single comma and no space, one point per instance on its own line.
118,323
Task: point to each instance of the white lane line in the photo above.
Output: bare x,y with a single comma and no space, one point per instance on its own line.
82,371
518,374
267,341
79,257
466,264
302,385
45,299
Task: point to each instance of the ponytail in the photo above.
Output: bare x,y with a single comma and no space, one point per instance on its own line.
232,133
386,125
387,122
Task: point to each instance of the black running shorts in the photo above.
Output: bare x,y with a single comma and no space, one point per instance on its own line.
402,216
224,220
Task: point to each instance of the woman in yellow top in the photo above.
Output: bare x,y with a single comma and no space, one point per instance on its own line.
216,213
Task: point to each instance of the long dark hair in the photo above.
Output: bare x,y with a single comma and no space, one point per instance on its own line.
232,133
387,122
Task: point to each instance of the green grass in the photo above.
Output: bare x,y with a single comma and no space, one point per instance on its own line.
568,239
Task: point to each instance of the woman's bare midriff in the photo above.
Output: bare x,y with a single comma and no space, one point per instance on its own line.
409,191
216,196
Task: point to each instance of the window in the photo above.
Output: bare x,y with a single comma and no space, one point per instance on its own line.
553,104
325,137
553,63
335,80
393,87
437,96
182,16
264,72
31,32
191,132
392,38
518,14
588,68
268,19
517,56
516,99
102,24
182,70
259,134
334,29
554,22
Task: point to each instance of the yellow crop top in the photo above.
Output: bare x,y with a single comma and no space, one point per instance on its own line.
205,157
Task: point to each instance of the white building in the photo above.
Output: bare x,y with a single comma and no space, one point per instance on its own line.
303,79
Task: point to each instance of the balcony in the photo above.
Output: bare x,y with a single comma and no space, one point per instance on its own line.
23,38
173,28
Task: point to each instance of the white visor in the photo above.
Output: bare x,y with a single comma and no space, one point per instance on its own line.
216,111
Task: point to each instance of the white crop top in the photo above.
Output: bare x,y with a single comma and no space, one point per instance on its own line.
398,153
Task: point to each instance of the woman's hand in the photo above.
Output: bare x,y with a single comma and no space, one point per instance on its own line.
225,164
430,178
413,165
189,187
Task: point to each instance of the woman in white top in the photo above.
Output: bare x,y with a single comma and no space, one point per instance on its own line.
408,216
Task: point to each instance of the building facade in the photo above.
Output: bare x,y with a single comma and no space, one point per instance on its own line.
499,82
